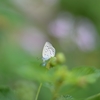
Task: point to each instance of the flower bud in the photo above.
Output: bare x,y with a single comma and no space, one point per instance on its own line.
51,63
60,58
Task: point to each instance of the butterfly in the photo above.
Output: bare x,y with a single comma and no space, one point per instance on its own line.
48,51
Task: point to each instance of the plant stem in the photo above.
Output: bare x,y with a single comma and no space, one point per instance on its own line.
37,94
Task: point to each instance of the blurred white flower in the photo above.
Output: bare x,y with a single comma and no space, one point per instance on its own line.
81,31
86,35
62,26
32,40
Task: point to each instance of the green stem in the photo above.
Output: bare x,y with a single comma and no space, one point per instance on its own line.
37,94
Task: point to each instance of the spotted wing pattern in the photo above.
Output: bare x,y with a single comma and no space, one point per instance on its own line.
48,51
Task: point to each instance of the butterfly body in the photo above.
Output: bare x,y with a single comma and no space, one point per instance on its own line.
48,51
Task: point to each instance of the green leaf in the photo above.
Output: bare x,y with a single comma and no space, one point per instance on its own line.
65,97
85,84
25,90
80,71
7,94
94,97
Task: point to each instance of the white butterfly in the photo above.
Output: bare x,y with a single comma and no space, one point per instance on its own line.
48,51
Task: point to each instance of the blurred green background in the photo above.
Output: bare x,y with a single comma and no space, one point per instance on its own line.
71,26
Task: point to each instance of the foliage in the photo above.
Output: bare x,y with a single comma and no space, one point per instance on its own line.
22,76
79,83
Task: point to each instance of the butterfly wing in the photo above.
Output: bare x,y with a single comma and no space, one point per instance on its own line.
48,51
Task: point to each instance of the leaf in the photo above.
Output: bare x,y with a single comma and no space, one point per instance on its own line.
94,97
86,84
65,97
7,94
25,90
80,71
